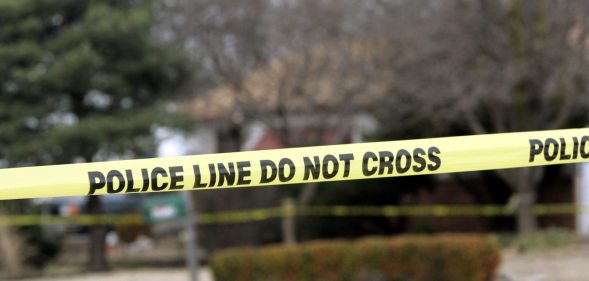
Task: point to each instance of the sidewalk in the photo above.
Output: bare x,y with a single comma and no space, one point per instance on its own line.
134,275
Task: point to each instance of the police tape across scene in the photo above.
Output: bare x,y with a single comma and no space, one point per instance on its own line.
299,165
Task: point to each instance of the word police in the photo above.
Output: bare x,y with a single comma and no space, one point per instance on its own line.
551,149
266,171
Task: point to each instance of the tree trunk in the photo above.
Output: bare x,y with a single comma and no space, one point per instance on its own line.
525,192
526,219
97,248
305,197
229,138
11,260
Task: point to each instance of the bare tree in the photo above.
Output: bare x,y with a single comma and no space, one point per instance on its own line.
501,66
303,68
490,66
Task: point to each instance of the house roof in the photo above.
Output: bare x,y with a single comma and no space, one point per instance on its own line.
326,77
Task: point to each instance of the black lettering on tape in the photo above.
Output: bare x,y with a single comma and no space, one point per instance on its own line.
324,166
385,162
432,155
97,181
197,177
563,147
146,180
130,182
176,178
420,163
312,168
366,171
226,174
346,158
403,165
110,185
551,144
575,147
584,153
282,176
265,166
243,172
212,174
155,173
330,161
536,147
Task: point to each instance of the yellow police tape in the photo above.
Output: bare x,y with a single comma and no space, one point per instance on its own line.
25,220
254,215
299,165
243,216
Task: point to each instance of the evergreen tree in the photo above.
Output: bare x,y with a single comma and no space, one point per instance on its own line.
81,80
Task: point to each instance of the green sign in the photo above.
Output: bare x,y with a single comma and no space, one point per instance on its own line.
163,208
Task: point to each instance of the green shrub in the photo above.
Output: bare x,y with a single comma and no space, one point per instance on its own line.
322,257
278,263
236,263
403,258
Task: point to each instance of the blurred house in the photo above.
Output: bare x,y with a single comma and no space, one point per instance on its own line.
323,95
316,96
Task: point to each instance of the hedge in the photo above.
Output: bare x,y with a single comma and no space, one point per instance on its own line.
401,258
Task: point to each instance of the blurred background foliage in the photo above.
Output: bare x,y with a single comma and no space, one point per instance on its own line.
84,81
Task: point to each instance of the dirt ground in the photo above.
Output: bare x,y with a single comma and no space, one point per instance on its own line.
561,264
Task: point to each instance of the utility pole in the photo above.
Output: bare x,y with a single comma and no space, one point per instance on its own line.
288,221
